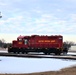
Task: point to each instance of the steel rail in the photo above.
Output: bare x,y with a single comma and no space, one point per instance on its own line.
38,56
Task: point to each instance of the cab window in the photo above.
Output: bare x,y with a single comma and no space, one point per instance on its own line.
19,39
26,41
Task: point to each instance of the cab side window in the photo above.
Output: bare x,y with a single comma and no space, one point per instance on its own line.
19,40
26,41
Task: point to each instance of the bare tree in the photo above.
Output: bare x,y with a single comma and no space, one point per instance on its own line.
3,41
68,44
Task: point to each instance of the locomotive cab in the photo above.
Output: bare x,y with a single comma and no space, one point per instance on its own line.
19,45
22,42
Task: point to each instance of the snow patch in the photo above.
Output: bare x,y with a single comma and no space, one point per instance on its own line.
31,65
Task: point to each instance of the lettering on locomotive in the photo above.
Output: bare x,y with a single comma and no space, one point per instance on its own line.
47,41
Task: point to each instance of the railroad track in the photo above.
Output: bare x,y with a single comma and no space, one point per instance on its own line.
69,56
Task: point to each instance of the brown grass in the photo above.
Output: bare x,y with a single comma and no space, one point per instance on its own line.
66,71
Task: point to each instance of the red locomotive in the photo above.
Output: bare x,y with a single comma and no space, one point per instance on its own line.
37,43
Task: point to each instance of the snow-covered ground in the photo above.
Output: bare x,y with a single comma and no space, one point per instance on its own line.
73,48
3,51
31,65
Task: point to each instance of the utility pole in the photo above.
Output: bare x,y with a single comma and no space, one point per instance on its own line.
0,15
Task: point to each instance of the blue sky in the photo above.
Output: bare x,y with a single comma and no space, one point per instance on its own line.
43,17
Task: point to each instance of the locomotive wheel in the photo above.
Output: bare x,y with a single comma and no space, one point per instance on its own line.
14,52
9,52
18,52
48,53
23,52
57,53
26,52
45,53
